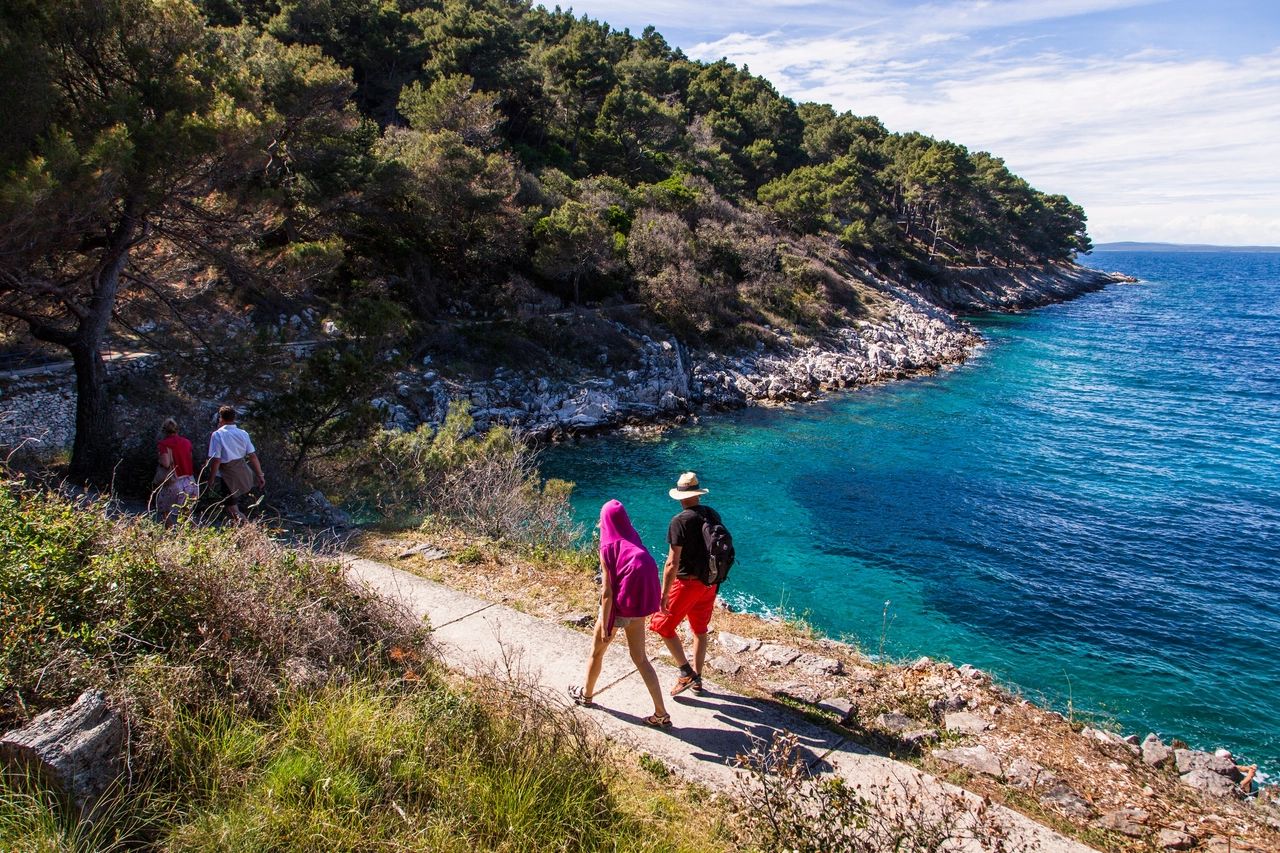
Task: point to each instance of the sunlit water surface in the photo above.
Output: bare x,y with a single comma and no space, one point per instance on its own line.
1089,508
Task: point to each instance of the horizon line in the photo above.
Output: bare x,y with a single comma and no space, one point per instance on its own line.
1158,246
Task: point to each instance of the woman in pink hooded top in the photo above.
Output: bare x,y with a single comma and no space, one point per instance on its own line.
631,591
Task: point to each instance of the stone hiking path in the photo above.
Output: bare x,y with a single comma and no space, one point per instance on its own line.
482,637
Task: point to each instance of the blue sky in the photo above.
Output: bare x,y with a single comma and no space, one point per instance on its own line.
1161,118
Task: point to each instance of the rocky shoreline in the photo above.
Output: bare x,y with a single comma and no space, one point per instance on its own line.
917,333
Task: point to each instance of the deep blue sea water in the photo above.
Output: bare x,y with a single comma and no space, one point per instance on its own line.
1089,508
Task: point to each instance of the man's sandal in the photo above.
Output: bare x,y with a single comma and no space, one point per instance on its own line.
654,721
684,682
579,697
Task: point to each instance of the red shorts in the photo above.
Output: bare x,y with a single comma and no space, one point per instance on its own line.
690,598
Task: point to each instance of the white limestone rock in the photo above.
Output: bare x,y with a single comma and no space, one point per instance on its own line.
977,759
967,724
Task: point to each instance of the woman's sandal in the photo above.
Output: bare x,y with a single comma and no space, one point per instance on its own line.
579,697
655,721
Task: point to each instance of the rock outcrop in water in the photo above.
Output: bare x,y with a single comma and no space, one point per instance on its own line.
1014,288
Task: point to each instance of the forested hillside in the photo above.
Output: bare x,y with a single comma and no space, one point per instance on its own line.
179,174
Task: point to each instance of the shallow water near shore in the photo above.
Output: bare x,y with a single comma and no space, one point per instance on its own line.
1089,508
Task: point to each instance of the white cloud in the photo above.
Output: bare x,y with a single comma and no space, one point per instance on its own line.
1154,146
891,16
985,14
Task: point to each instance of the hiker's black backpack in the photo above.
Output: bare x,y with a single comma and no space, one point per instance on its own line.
720,554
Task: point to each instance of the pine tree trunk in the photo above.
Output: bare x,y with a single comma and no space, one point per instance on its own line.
91,456
95,425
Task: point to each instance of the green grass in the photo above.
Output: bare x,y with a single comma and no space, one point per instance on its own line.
365,767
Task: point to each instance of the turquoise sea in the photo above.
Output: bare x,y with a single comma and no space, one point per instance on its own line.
1089,508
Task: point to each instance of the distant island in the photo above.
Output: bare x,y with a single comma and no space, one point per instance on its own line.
1178,247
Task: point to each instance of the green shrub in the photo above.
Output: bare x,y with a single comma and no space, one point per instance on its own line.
487,484
86,600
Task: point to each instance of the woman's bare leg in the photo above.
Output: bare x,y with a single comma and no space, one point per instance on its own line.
599,643
640,657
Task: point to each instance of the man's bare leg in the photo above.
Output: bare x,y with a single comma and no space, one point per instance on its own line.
676,648
700,644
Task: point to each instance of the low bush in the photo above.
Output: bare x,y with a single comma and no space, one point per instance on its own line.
224,616
486,484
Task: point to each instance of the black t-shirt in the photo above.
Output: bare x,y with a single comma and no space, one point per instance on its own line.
685,531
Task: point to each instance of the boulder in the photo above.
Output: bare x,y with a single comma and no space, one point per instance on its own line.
838,705
1130,743
778,655
1154,752
1067,801
966,724
1028,775
977,759
918,737
947,704
1174,839
76,748
727,665
1191,759
797,691
1130,822
735,644
896,723
425,550
1214,784
811,664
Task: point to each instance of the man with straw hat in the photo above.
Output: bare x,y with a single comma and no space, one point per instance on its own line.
683,593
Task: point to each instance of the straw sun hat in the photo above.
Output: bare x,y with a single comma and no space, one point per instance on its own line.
687,487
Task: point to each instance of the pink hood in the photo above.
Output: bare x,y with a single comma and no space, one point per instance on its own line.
637,591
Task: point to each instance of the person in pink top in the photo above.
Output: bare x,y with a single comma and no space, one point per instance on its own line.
630,592
178,490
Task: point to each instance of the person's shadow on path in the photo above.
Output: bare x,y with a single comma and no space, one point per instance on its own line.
748,724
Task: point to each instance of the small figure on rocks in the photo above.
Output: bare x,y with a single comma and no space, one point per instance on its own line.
690,579
178,490
231,452
630,592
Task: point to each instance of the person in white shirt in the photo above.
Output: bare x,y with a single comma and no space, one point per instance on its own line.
231,452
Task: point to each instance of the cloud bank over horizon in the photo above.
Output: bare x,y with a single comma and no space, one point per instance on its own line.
1161,119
